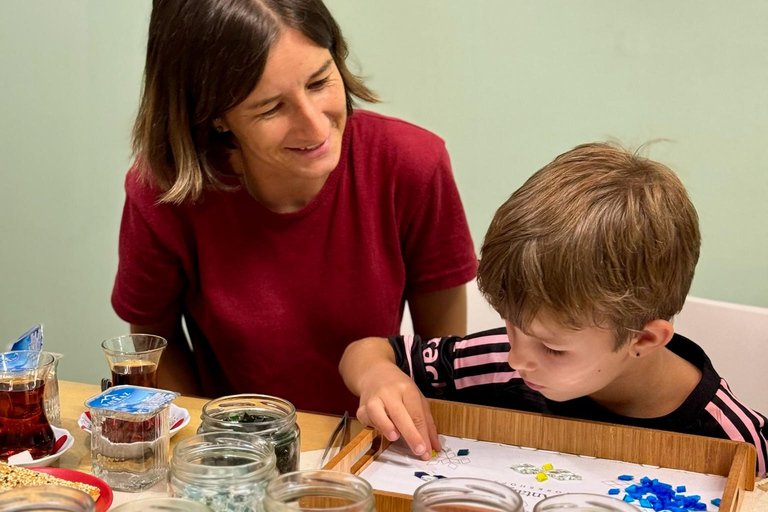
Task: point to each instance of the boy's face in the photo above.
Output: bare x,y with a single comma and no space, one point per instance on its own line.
563,364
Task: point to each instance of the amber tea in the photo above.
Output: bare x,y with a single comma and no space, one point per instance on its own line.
23,424
135,372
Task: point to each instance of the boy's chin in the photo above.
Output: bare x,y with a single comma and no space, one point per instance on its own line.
555,396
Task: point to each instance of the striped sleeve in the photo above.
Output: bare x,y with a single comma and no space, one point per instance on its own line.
740,423
441,367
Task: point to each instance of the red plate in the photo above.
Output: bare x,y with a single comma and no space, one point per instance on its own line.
105,498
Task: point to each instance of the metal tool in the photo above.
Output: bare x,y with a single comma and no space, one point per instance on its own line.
341,427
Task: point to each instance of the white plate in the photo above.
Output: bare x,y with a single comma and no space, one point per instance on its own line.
48,460
179,419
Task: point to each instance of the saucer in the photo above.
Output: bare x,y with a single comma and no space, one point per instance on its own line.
63,446
179,418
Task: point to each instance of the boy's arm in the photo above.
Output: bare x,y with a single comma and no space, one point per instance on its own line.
389,399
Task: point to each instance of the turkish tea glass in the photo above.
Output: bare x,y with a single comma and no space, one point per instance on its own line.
133,359
24,425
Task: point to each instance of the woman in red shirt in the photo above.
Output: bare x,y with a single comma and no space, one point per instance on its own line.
277,221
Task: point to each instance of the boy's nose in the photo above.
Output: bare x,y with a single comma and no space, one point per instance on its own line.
521,356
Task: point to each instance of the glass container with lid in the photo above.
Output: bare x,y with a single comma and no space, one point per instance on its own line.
130,440
225,470
319,490
453,494
267,416
163,505
582,503
45,498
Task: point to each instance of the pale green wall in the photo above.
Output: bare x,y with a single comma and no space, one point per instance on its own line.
508,85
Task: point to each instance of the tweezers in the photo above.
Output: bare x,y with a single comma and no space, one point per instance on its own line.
340,427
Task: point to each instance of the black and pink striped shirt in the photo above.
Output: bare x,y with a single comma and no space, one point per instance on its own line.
474,369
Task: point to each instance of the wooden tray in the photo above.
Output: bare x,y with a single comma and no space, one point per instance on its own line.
731,459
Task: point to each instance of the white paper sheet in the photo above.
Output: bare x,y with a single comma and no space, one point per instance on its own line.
394,471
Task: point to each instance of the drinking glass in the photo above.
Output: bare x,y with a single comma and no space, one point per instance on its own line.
23,422
133,359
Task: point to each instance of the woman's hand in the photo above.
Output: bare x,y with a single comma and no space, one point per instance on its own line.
389,400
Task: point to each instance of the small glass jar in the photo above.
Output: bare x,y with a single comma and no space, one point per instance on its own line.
266,416
163,505
582,503
45,498
225,470
451,494
317,491
130,439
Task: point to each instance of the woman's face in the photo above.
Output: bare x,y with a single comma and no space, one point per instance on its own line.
290,127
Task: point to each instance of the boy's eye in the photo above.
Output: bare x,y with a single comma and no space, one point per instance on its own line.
553,352
319,84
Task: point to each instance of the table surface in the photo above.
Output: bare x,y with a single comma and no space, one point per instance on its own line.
315,430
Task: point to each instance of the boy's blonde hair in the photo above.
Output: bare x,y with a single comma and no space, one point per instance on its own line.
598,237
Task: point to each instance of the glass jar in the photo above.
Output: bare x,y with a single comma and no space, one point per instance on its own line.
225,470
582,503
319,490
266,416
163,504
130,439
451,494
45,498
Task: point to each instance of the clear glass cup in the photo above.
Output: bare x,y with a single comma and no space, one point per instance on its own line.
465,494
23,422
130,436
51,396
163,505
45,498
133,359
267,416
582,503
319,490
225,470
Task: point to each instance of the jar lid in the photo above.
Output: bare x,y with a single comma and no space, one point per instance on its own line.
131,399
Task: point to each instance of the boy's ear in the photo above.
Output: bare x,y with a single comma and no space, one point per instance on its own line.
655,334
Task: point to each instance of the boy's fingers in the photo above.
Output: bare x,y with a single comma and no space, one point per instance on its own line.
404,423
362,416
377,413
414,405
434,440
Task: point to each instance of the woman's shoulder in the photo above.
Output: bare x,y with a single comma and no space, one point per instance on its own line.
395,142
140,187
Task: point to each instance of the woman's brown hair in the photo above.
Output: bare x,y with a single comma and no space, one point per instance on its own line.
203,58
598,237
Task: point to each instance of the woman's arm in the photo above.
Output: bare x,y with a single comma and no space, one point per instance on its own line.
438,314
176,371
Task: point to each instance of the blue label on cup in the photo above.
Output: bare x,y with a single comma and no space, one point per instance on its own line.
30,340
19,361
131,399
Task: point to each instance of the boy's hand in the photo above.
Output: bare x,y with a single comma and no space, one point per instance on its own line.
393,404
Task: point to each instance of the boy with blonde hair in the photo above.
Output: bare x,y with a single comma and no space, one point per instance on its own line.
587,263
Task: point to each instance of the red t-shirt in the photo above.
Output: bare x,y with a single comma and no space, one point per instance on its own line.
271,300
